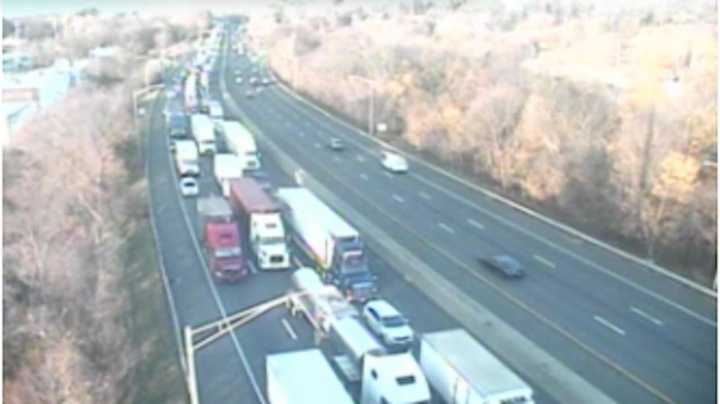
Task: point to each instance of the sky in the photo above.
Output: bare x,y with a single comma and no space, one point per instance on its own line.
22,8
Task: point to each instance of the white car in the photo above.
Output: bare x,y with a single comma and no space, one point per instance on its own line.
385,321
188,186
394,162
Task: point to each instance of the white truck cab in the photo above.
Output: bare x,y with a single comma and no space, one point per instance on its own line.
267,234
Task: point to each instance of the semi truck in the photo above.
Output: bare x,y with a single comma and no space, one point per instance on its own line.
290,376
216,110
186,158
226,167
463,371
221,239
320,304
334,245
204,133
240,141
261,223
384,378
177,125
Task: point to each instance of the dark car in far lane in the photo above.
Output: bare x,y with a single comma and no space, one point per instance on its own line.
505,265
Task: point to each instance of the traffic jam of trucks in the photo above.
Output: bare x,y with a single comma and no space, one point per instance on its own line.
372,353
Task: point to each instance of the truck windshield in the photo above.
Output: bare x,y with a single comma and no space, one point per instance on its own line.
272,240
227,252
354,262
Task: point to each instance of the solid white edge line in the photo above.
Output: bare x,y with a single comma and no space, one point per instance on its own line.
398,198
159,257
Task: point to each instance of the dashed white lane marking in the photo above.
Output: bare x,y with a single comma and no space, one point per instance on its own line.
398,198
297,262
301,133
446,228
289,329
360,158
476,224
544,260
364,176
336,159
646,316
609,325
317,145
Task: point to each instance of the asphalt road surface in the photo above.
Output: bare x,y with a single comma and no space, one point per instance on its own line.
646,338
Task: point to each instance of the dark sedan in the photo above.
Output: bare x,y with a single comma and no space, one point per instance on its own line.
505,265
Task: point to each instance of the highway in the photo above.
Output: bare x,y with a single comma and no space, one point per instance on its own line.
633,333
231,370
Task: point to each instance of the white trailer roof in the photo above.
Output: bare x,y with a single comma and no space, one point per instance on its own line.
304,201
228,165
202,127
474,362
186,149
297,372
356,338
238,137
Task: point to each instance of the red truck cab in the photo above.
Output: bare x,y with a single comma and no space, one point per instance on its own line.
221,238
226,260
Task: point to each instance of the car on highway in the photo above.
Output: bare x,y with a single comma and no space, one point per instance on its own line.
505,265
385,320
394,162
336,144
189,186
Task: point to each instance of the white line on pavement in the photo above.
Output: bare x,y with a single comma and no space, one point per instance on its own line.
544,260
424,195
360,158
301,133
289,329
253,268
646,316
317,145
475,224
446,227
398,198
297,262
336,159
609,325
364,176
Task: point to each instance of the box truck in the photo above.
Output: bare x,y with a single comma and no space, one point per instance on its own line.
220,237
292,375
463,371
240,141
226,167
383,377
204,133
261,223
186,158
334,245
